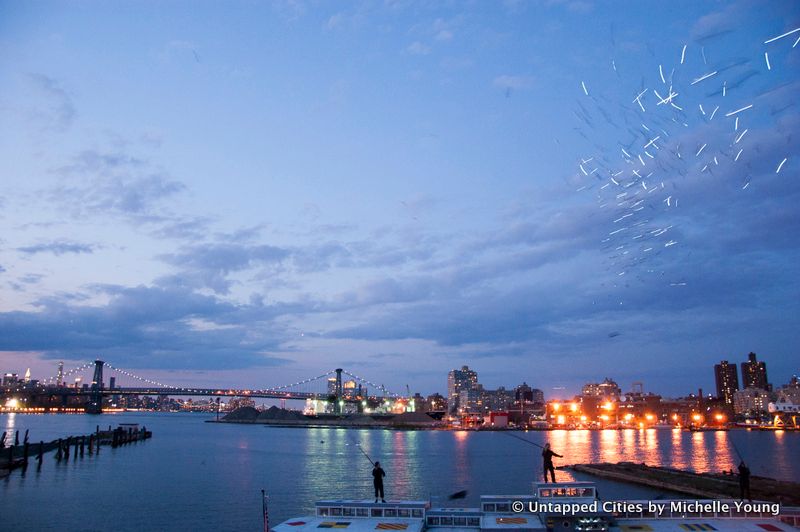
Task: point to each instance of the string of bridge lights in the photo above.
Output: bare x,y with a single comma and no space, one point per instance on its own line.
51,380
121,371
142,379
306,381
379,386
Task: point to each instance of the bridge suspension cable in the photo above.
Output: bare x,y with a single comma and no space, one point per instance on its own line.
142,379
51,380
300,383
378,386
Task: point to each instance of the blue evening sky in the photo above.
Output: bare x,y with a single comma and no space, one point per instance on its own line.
250,193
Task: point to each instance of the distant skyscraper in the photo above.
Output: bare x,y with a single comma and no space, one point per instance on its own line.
459,380
754,373
727,381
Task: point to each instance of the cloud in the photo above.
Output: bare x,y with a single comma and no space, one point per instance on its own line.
58,248
31,278
61,109
209,265
513,82
148,327
98,182
417,48
190,228
717,23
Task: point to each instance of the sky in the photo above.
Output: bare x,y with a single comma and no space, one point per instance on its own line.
247,194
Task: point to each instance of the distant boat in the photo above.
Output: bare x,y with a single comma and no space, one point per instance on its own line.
695,428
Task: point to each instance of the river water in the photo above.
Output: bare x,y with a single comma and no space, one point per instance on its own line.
194,475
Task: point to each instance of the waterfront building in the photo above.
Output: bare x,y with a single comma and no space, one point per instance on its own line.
457,381
418,403
470,401
496,400
792,390
436,403
787,398
608,389
351,389
727,381
754,373
783,405
750,401
640,406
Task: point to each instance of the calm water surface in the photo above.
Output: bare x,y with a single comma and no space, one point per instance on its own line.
194,475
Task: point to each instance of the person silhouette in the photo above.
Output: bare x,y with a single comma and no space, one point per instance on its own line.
744,481
547,457
377,480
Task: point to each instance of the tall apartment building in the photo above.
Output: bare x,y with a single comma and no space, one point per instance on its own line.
754,373
727,381
459,380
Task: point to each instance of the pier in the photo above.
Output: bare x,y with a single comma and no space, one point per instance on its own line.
701,485
18,456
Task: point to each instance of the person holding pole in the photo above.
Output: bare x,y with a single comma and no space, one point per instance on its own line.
377,480
547,457
744,481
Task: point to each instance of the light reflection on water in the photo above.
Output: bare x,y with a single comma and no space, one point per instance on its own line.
195,475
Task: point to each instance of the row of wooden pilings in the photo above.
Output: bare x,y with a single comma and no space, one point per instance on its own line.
18,456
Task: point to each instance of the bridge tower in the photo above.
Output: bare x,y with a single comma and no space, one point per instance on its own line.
338,405
95,404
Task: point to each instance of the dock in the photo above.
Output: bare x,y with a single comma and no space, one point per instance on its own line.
700,485
17,456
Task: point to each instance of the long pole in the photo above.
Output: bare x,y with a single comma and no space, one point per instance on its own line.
522,439
364,453
265,510
736,449
358,444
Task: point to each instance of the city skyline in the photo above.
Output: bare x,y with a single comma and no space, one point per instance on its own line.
725,375
247,195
